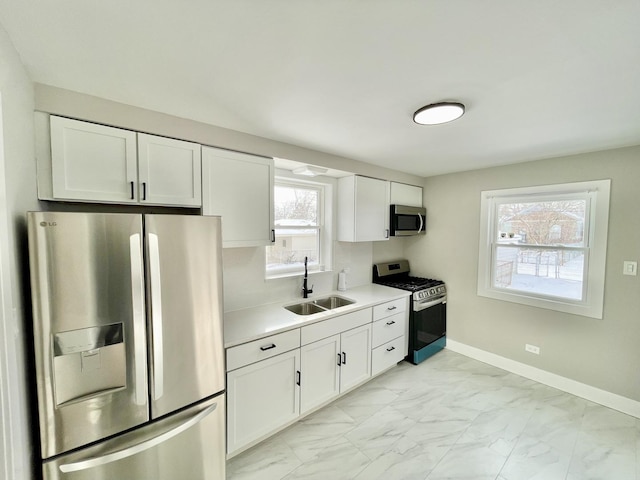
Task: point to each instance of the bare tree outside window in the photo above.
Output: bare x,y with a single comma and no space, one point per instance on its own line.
297,228
539,247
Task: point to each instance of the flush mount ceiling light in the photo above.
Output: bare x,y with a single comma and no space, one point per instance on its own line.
310,171
437,113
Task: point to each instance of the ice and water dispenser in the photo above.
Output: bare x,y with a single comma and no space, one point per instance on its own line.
88,362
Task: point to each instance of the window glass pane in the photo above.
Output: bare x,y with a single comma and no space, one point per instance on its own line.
295,206
297,222
538,271
290,248
542,223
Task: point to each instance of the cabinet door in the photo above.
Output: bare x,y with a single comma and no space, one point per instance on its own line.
92,162
402,194
355,346
169,171
372,209
261,398
320,372
239,187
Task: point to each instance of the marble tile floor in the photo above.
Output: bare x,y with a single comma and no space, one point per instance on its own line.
450,417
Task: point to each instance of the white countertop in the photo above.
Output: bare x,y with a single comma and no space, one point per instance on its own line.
248,324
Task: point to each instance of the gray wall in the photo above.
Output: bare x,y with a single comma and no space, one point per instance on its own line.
18,194
601,353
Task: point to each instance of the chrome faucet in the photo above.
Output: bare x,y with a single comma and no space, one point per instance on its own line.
306,291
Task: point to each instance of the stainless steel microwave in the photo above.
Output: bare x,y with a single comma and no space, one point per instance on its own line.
407,221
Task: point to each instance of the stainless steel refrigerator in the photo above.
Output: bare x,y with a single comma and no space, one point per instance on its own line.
127,313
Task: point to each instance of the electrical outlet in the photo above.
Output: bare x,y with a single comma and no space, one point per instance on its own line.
630,268
532,349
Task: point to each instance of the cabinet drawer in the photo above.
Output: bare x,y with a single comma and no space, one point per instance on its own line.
260,349
334,325
389,308
388,328
387,355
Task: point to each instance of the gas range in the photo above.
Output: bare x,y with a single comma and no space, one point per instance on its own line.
427,328
396,275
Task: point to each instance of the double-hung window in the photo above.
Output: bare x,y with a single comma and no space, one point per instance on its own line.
546,246
299,221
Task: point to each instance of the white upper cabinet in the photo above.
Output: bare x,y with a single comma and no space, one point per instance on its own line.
92,162
96,163
403,194
169,171
363,209
239,187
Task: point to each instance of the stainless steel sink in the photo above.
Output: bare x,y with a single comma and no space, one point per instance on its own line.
308,308
333,302
319,305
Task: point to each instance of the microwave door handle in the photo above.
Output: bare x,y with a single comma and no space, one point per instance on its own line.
137,300
138,448
156,316
421,223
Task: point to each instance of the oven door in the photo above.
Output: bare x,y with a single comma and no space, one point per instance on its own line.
406,221
428,329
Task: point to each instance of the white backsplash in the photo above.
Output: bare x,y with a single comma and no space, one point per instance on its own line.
245,285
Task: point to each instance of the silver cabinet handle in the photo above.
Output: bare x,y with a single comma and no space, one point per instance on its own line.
140,447
391,322
268,347
137,301
421,223
156,315
386,233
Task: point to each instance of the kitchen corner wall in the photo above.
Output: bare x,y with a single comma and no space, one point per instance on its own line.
600,353
17,195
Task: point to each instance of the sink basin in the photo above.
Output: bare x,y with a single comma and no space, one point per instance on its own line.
319,305
308,308
333,302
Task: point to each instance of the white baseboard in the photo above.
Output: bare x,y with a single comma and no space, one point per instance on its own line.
602,397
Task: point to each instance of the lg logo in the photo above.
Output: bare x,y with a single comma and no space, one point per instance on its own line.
48,224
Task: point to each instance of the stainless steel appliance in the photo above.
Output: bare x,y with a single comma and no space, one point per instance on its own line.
406,221
428,310
128,338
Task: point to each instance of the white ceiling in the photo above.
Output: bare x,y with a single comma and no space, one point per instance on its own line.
539,78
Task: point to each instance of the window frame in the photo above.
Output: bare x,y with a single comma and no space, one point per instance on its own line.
597,194
324,230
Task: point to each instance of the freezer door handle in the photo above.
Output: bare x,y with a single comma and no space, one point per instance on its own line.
140,447
156,315
137,297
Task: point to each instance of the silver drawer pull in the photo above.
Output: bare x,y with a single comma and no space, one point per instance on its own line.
391,308
390,349
268,347
391,322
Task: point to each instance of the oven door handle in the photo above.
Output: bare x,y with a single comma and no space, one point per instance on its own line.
417,306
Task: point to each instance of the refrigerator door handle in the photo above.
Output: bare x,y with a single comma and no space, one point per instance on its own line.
156,316
140,447
137,297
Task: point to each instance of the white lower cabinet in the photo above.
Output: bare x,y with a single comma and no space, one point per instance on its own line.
356,357
387,355
333,365
262,397
320,379
274,380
